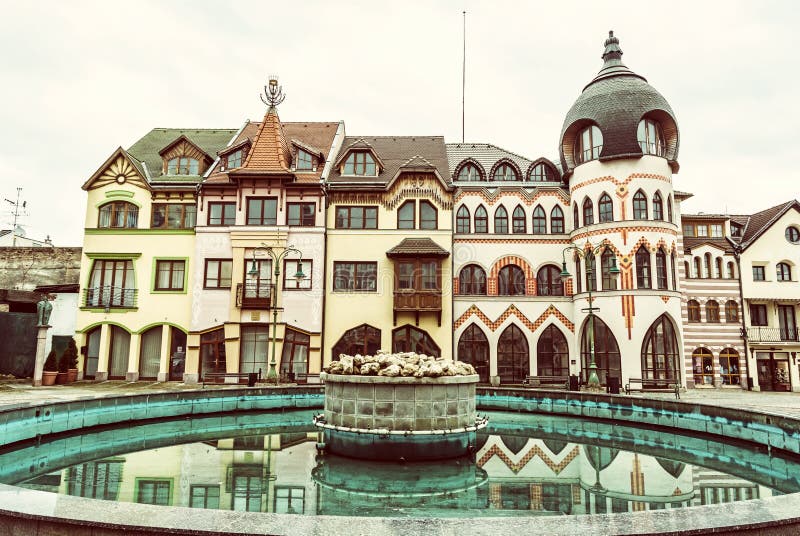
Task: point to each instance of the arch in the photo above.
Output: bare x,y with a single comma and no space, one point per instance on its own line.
481,220
511,281
783,271
605,208
552,353
698,268
687,269
607,260
729,367
428,216
471,169
718,265
505,170
539,221
152,324
472,280
118,352
409,338
658,207
670,217
606,351
548,281
588,144
557,220
731,270
660,351
363,339
731,311
712,311
150,352
661,268
462,220
693,311
703,366
707,258
669,132
643,274
588,211
473,348
575,219
650,137
542,170
639,205
518,220
500,220
406,215
672,269
513,358
118,215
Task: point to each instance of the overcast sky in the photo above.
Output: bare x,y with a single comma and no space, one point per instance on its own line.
82,78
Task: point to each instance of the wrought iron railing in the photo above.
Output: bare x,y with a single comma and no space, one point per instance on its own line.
254,296
765,334
109,297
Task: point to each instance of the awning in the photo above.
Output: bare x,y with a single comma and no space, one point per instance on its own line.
417,247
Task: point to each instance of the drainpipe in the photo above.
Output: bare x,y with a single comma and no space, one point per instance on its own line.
737,250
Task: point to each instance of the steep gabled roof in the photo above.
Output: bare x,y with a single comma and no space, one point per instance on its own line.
417,247
148,148
270,152
693,242
760,222
119,163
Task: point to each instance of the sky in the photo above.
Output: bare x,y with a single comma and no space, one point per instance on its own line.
82,78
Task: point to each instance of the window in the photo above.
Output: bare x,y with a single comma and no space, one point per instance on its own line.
661,269
301,214
363,339
687,269
758,314
578,274
183,165
204,497
356,276
406,215
462,220
643,268
150,353
356,217
639,206
731,311
154,492
792,235
758,273
784,272
481,220
731,270
95,480
658,207
552,353
294,358
505,172
712,312
718,263
698,269
410,339
588,145
428,216
111,284
539,221
548,281
591,276
606,352
360,163
118,215
500,220
511,281
472,280
290,269
693,308
729,366
588,212
736,230
518,224
650,137
575,221
669,209
707,258
173,216
543,173
221,213
235,159
218,273
701,230
212,351
703,366
688,229
513,358
420,274
473,348
660,351
258,288
262,211
556,220
607,261
469,173
672,270
289,500
248,488
716,230
605,208
254,349
304,161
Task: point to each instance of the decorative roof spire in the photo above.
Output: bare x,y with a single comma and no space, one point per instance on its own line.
273,93
612,51
270,151
612,61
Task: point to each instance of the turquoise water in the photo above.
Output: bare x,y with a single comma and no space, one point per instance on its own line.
525,465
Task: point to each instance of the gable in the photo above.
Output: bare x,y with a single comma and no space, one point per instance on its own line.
119,168
183,146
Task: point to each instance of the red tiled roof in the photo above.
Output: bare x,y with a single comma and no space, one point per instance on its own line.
417,247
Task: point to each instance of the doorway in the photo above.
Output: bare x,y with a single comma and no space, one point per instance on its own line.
773,371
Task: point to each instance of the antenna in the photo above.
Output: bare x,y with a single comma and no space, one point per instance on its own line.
17,213
463,74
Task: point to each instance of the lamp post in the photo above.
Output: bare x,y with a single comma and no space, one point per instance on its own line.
272,375
589,255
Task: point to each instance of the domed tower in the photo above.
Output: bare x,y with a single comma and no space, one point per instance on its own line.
619,148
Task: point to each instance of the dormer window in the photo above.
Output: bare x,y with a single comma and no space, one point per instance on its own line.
235,159
360,163
304,162
505,172
469,173
588,144
650,137
542,173
183,165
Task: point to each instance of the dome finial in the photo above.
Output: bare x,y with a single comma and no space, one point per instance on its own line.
612,51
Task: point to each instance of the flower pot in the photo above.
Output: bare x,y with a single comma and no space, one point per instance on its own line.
61,377
49,377
72,375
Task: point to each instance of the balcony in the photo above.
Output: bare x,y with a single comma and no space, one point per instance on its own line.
416,301
109,297
254,297
772,335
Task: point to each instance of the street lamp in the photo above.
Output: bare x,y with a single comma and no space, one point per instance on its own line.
589,255
272,375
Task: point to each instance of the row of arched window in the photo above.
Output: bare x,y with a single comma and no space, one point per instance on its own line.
644,261
518,224
510,281
712,311
703,366
605,209
702,267
505,171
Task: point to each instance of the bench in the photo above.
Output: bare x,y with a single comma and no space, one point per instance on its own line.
250,378
549,382
652,386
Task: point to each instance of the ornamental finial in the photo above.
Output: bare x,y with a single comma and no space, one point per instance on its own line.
273,93
612,50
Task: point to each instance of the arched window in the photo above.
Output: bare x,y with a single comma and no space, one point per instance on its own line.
556,220
669,209
658,207
481,220
712,311
360,163
462,220
729,367
731,270
411,339
118,215
92,353
539,221
588,212
643,268
731,311
513,361
469,173
588,144
784,272
363,339
473,348
591,274
650,137
606,352
605,208
693,309
575,221
518,224
607,261
294,357
552,353
511,281
707,257
505,172
500,220
183,165
548,281
660,351
150,353
672,270
639,206
406,216
118,353
543,173
661,269
703,366
472,280
687,269
718,262
578,275
428,216
698,269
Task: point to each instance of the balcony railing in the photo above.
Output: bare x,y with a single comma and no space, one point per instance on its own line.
765,334
252,296
109,297
417,300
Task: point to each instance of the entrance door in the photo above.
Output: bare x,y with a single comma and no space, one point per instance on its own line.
786,323
773,371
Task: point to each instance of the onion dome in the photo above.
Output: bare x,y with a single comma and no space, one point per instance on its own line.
615,102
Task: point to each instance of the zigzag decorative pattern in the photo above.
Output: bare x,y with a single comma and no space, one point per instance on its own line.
511,241
512,310
503,193
639,228
516,467
618,183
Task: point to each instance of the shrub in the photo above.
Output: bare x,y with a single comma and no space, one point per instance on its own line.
71,351
63,362
51,363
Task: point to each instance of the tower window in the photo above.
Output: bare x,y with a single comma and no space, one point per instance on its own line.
588,144
650,137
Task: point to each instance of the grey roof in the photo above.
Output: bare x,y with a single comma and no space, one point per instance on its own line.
146,149
414,247
692,242
487,155
758,223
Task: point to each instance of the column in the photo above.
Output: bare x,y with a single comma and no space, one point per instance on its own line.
134,354
494,379
163,367
41,346
105,346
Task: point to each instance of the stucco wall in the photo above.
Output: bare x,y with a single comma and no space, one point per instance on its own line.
25,268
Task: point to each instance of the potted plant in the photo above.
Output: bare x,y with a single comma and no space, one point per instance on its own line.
71,351
63,367
50,369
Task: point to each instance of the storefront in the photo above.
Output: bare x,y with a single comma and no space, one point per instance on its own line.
773,371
